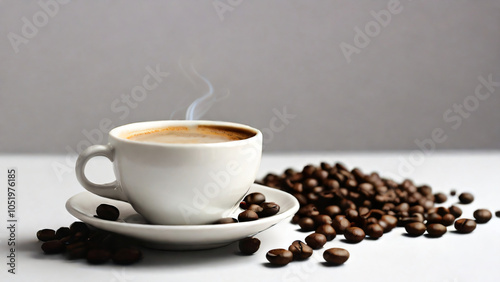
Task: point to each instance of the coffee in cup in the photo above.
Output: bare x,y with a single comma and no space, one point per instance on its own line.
178,172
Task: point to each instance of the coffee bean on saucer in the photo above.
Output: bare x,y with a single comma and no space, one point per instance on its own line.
327,230
336,256
46,235
279,257
107,212
269,209
126,256
256,208
465,225
226,220
415,228
98,256
247,215
466,198
300,250
249,245
482,215
354,234
436,229
53,247
254,198
316,240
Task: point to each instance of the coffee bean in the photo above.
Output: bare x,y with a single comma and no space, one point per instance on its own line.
440,198
243,205
336,256
374,230
247,215
53,247
453,192
295,219
497,213
464,225
316,240
226,220
327,230
434,218
79,226
107,212
126,256
306,224
255,198
46,235
354,234
351,214
417,209
391,221
340,225
436,229
448,219
62,232
308,210
256,208
455,211
482,215
279,256
415,228
269,209
249,245
98,256
466,198
300,250
322,219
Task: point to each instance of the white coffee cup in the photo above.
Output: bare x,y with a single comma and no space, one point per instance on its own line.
176,184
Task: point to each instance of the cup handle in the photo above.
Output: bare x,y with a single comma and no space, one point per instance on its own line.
110,190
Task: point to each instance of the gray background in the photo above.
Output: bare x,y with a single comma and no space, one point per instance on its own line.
261,57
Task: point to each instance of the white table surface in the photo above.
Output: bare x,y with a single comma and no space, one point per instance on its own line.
394,257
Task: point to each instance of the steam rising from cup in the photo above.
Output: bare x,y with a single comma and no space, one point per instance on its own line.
200,106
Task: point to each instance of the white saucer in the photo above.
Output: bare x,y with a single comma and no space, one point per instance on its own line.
180,237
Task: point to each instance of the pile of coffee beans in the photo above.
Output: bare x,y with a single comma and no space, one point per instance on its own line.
335,200
78,241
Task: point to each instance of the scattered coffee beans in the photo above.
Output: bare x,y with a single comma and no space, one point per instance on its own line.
279,257
96,246
300,250
354,234
107,212
336,256
415,228
316,240
466,198
464,225
482,215
249,245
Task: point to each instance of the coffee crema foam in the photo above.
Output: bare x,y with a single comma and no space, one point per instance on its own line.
191,135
